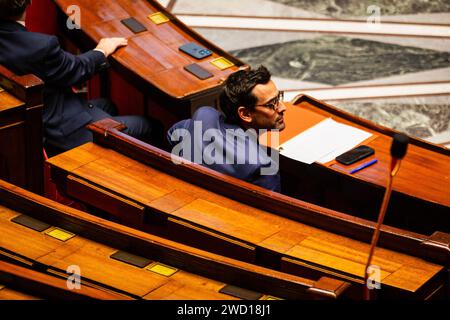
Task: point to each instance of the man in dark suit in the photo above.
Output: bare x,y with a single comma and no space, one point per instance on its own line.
250,101
65,113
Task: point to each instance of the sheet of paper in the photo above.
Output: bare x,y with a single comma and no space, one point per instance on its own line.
323,142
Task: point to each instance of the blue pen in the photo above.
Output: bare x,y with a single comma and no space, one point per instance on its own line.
365,165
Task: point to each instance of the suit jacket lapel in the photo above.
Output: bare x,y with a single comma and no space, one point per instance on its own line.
7,25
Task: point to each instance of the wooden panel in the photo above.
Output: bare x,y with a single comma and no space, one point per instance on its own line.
149,186
329,286
118,206
398,271
418,163
96,266
409,278
89,161
48,286
93,260
12,135
177,291
151,55
13,153
8,101
227,220
332,261
22,240
10,294
177,255
172,201
422,183
211,240
113,273
250,197
281,238
347,253
21,157
183,286
82,155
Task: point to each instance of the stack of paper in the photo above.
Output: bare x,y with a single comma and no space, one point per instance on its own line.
323,142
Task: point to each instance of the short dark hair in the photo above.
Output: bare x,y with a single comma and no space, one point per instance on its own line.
238,91
12,9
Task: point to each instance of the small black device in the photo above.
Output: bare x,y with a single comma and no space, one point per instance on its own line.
355,155
198,71
133,25
195,50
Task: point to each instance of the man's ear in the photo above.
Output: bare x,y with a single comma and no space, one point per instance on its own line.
245,114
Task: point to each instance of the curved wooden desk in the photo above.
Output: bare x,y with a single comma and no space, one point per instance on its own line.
421,190
203,208
201,275
435,247
25,284
151,62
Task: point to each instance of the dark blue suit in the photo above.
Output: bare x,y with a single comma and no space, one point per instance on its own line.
65,113
208,140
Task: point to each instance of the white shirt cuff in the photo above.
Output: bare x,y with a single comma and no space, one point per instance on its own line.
100,50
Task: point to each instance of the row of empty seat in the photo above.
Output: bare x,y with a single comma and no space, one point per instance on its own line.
158,202
51,238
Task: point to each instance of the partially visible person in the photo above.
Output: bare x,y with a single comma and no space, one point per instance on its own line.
228,141
65,113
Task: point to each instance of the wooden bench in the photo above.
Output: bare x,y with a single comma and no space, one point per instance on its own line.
435,247
201,275
161,198
26,284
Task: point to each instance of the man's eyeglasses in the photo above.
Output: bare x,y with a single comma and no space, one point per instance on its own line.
275,102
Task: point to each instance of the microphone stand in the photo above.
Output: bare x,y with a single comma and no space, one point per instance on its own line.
395,166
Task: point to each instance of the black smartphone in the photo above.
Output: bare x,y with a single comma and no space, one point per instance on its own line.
198,71
133,25
195,50
355,155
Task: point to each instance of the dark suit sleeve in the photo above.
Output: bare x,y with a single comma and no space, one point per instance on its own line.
271,182
65,69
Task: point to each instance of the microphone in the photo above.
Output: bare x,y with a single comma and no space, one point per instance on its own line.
398,151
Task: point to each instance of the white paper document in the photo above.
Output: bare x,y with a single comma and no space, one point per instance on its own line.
323,142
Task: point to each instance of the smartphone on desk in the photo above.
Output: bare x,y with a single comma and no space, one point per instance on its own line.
198,71
355,155
195,50
133,25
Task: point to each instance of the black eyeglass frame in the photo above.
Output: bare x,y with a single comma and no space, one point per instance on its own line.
276,101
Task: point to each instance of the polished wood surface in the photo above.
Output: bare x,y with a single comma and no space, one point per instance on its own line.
153,54
43,286
425,170
11,294
421,185
435,247
21,159
186,212
94,262
8,101
147,76
201,275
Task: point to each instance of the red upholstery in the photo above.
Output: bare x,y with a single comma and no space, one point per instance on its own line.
41,17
